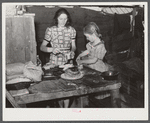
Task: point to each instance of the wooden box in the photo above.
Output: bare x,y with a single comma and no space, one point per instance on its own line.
20,39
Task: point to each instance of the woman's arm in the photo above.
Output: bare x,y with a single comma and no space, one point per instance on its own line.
73,46
73,38
44,47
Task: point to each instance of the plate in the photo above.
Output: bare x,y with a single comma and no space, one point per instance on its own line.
66,66
70,78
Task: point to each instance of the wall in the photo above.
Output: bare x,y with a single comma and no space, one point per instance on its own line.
80,17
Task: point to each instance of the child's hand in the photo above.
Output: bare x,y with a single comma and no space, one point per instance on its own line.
79,62
78,58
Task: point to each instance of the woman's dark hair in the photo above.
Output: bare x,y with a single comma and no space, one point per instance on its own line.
58,13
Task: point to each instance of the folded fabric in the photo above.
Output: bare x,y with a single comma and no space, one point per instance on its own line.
33,72
9,77
14,68
18,80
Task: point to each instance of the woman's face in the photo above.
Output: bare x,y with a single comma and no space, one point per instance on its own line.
62,19
90,37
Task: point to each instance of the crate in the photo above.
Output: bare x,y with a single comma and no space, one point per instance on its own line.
20,39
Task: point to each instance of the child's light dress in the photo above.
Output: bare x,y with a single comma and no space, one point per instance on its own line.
99,52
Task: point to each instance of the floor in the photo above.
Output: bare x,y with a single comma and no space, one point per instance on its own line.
126,102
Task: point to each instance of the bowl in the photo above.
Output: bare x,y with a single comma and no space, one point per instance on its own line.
110,75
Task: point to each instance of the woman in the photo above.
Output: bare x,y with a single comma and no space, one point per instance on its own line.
61,36
93,56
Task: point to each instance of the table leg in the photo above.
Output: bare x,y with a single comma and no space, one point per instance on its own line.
115,98
84,101
13,102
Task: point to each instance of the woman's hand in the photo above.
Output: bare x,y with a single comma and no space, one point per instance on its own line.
72,54
56,50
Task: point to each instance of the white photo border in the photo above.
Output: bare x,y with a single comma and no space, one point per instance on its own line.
78,114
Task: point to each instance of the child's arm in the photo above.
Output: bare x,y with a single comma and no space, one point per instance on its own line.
88,61
84,53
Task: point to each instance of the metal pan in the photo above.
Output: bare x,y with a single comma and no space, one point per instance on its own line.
110,75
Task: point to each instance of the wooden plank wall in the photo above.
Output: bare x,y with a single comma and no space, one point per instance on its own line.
80,17
20,39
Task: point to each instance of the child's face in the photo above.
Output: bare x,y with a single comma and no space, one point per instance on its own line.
89,37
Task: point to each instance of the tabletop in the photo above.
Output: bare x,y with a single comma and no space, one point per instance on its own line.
56,88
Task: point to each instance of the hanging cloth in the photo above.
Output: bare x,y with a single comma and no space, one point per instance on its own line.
121,23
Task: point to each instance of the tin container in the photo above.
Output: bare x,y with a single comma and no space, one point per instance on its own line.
110,75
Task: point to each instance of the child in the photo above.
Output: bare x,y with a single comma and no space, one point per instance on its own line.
95,49
95,52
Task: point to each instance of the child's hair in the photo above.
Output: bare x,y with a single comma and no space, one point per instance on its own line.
91,28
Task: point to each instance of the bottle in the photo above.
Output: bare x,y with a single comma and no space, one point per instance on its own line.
39,63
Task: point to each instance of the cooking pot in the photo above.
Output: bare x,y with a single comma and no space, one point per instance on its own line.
110,75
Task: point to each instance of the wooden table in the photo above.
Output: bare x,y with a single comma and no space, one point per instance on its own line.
80,88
